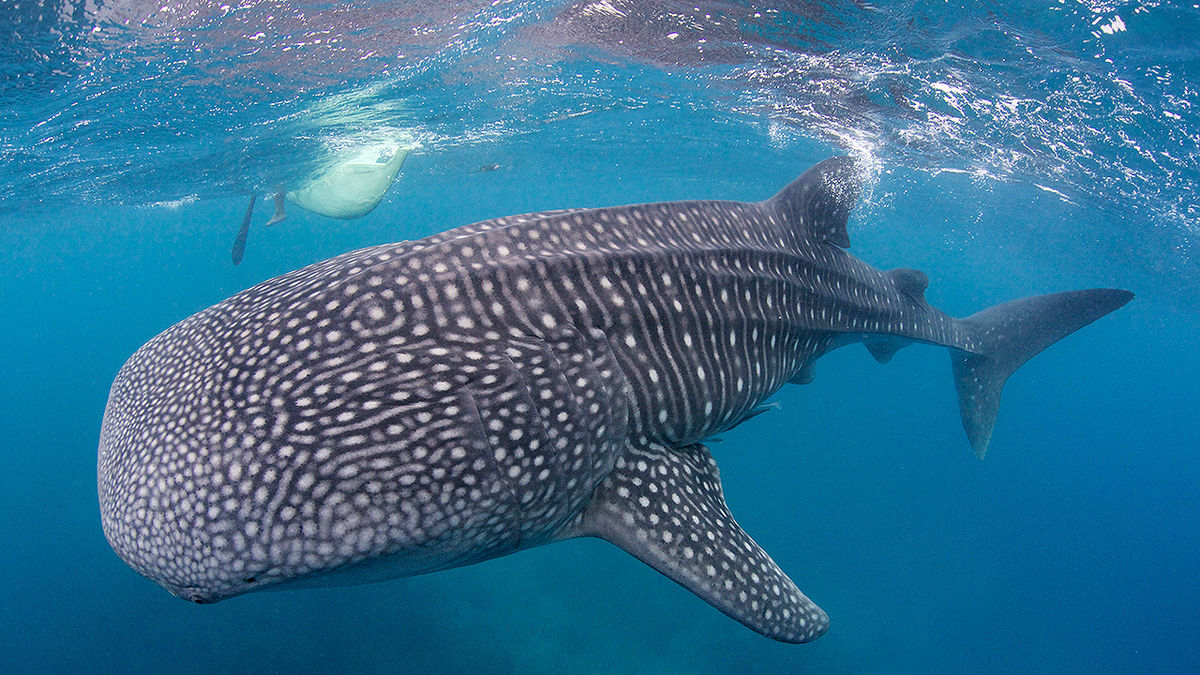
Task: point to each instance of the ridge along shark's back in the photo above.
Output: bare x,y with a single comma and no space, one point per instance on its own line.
418,406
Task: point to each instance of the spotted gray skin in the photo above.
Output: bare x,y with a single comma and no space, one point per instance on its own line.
419,406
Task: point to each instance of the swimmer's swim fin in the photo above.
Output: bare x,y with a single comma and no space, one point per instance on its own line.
239,244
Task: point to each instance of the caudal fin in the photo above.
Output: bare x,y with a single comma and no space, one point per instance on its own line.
1008,335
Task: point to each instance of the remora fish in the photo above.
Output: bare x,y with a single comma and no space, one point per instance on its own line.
424,405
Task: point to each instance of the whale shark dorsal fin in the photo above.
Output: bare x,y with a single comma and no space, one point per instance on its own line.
665,507
821,199
911,283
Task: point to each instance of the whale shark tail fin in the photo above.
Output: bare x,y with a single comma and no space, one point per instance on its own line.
1007,335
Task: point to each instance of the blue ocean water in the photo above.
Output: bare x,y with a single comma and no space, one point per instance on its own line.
1016,148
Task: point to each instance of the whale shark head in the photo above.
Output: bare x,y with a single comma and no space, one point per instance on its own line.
277,439
160,484
202,488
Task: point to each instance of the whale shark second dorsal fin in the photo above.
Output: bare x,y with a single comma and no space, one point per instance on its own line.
911,283
665,507
820,200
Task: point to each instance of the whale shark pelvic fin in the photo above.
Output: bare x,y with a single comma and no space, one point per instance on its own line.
665,507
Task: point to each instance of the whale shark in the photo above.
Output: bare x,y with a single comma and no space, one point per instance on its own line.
424,405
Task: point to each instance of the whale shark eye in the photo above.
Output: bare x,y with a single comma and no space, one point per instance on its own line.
250,580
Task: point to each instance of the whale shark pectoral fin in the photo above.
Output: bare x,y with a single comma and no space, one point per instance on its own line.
665,507
805,375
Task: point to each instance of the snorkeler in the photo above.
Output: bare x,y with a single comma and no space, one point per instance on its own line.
350,187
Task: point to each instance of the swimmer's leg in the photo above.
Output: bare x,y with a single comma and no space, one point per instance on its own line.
280,215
